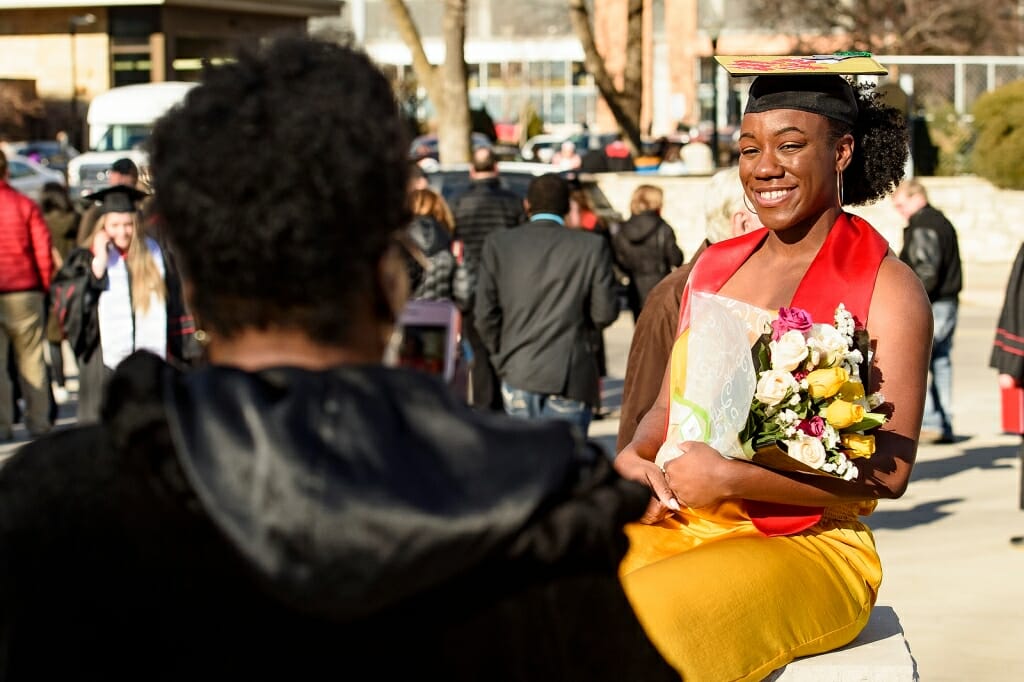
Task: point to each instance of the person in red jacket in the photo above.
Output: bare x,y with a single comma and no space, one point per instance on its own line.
26,265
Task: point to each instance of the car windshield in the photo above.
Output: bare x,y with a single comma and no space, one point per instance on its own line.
123,138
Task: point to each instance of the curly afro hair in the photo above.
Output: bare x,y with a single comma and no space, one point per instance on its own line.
880,149
280,183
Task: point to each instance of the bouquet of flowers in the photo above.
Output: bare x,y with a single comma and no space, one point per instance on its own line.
809,411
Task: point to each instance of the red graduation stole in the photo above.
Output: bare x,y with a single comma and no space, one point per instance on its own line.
843,271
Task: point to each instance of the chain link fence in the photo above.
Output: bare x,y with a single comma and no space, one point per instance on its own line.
942,91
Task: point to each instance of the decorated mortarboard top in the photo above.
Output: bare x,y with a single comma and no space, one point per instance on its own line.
840,63
117,199
814,83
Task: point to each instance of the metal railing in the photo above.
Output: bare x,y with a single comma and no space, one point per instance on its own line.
940,81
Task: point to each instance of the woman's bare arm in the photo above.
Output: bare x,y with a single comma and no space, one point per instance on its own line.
900,322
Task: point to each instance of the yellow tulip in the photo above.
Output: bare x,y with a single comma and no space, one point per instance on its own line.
841,414
851,390
825,383
857,445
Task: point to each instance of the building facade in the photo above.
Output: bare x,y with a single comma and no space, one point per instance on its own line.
74,49
526,54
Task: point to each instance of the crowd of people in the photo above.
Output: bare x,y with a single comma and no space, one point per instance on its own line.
251,489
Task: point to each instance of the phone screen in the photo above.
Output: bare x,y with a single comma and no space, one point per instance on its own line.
424,347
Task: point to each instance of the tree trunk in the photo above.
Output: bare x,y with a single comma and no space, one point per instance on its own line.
624,104
426,73
453,133
446,87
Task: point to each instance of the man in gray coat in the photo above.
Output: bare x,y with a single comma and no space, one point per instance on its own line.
542,290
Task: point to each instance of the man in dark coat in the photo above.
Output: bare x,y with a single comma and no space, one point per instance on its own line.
483,208
542,289
931,248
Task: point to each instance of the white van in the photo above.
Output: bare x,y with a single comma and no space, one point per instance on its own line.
119,124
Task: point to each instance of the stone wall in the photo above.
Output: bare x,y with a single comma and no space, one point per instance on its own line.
989,221
986,217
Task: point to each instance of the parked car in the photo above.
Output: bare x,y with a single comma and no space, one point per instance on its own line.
425,146
450,181
48,153
541,148
29,177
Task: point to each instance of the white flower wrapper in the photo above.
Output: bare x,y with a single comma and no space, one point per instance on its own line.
720,376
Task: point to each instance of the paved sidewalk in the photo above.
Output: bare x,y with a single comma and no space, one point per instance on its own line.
950,574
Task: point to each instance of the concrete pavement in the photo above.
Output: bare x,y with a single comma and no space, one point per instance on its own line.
950,574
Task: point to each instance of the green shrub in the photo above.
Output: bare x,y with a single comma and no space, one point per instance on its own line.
952,134
999,145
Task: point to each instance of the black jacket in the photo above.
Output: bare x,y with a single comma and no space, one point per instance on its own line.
931,248
543,289
484,207
305,525
1008,346
646,249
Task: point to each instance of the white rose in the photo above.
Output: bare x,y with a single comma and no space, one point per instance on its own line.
808,450
789,351
773,386
829,344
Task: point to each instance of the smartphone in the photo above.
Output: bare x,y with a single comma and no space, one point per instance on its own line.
427,338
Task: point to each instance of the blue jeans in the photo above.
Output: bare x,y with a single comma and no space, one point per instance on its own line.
938,404
530,405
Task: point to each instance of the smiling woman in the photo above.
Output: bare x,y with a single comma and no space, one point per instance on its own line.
785,568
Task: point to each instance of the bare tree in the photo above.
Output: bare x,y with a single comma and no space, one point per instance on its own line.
446,85
898,26
623,102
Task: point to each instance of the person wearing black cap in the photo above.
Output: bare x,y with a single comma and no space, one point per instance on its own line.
122,172
737,569
129,277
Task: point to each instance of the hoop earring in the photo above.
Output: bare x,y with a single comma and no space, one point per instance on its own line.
839,186
746,204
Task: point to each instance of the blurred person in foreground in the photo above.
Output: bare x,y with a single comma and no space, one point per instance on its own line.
725,216
294,509
767,565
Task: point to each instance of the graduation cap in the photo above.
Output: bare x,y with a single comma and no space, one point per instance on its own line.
117,199
813,83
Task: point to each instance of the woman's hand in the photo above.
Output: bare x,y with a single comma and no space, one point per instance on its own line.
699,476
632,466
99,253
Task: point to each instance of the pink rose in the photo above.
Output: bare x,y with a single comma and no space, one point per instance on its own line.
815,426
791,319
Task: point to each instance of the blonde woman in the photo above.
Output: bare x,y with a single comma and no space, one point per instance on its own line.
130,286
645,246
428,202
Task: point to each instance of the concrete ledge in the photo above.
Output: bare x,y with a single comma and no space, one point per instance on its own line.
879,654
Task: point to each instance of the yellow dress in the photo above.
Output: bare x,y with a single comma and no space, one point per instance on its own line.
723,602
